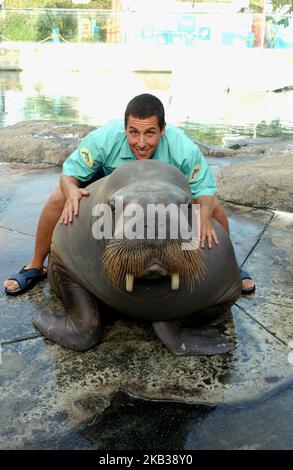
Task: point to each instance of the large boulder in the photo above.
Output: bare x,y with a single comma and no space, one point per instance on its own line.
41,142
259,146
264,183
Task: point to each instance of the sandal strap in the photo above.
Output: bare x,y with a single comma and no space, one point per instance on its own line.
245,275
23,276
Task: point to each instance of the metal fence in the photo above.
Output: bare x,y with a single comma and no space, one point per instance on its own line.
154,28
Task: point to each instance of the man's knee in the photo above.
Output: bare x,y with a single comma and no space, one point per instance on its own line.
56,200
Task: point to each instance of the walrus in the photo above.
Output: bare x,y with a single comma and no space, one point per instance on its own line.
147,278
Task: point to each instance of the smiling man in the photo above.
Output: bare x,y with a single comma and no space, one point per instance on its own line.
143,135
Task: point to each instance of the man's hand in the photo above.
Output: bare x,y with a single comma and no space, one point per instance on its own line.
207,232
71,206
207,205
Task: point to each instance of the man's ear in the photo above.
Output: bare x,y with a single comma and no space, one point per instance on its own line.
163,130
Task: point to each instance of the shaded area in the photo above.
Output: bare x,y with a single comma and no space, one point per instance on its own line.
133,424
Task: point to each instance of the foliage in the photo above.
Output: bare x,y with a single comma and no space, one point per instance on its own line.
277,4
96,4
65,23
198,132
255,6
204,1
15,28
272,129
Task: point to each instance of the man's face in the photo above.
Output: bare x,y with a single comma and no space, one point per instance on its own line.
143,136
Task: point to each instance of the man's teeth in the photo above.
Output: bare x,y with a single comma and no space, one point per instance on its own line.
129,282
175,281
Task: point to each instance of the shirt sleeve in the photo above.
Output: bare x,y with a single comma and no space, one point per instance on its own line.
200,178
86,159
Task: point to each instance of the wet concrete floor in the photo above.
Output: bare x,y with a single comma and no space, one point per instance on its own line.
129,392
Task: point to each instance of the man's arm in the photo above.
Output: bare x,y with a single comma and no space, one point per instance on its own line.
207,205
73,193
79,166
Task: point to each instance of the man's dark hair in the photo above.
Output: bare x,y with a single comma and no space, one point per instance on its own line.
144,106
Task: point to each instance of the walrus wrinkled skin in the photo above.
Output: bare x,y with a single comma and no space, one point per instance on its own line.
169,292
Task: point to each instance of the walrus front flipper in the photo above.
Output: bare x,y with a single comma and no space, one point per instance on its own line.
78,327
189,341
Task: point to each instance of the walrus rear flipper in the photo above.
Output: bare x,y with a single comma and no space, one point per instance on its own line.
191,341
78,327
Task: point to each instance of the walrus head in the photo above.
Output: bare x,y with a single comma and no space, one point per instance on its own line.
149,257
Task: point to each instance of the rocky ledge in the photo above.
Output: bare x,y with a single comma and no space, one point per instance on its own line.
40,142
261,177
265,181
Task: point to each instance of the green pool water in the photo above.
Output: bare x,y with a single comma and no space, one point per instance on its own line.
95,97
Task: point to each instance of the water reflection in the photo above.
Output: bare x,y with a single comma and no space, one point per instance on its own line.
86,97
94,97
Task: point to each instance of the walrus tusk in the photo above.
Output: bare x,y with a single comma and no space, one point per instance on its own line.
129,282
175,281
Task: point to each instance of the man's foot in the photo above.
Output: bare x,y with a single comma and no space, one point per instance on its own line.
24,280
248,285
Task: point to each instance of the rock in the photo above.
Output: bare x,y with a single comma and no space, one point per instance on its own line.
233,150
249,147
264,183
214,150
236,146
41,142
50,142
259,146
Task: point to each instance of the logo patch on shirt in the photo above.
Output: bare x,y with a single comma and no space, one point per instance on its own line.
86,156
194,172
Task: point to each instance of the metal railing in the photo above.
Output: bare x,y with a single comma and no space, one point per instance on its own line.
168,28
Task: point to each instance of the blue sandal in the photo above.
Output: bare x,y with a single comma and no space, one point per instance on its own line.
27,279
246,275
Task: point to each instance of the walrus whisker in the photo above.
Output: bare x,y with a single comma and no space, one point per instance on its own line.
127,258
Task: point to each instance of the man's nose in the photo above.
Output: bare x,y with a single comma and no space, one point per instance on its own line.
141,141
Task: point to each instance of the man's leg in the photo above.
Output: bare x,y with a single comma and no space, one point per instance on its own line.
47,222
220,216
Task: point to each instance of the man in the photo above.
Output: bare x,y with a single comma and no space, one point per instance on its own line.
143,135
